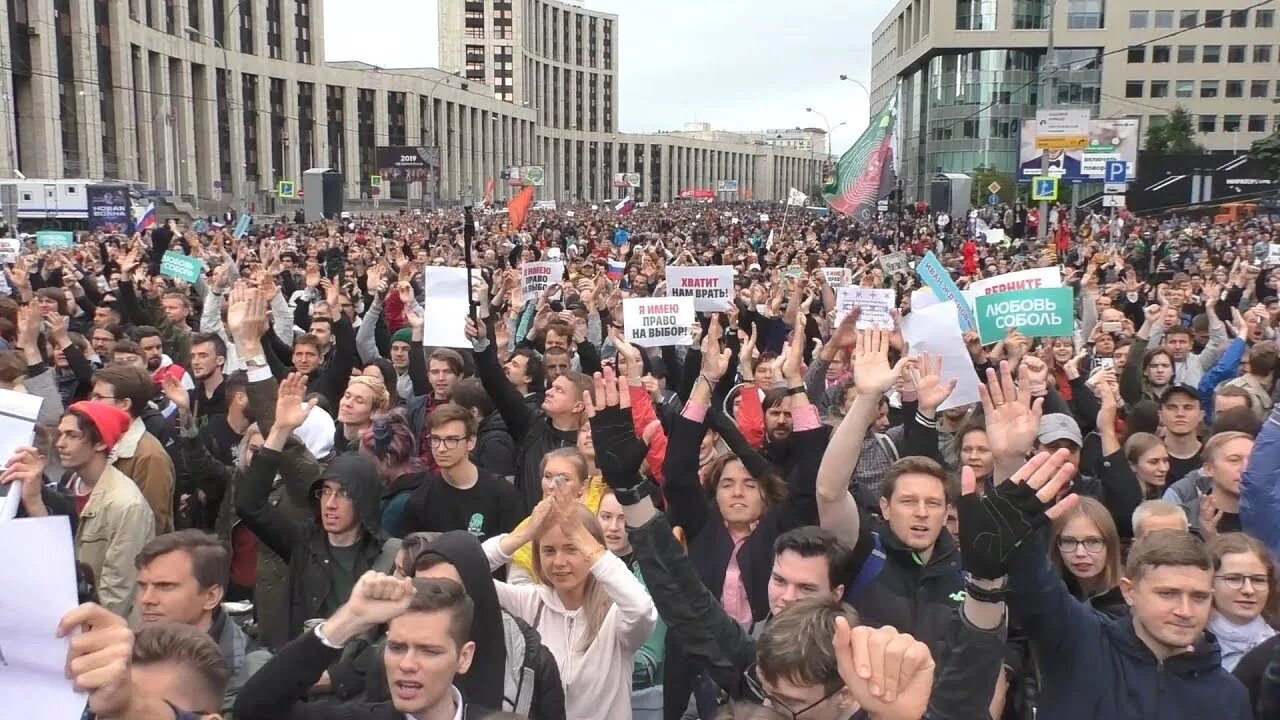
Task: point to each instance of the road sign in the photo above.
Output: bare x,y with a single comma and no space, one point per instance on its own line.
994,187
993,199
375,181
285,189
1044,189
1114,201
1117,171
1062,129
1115,188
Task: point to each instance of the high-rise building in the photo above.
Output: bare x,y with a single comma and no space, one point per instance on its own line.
970,70
218,100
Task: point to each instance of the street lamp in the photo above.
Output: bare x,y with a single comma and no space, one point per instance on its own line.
858,83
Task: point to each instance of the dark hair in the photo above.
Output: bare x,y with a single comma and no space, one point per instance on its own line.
114,330
810,541
145,331
321,319
773,398
1236,419
389,378
534,368
307,339
234,382
452,412
127,347
55,294
449,356
214,339
1151,354
797,643
1143,416
773,489
87,426
445,596
180,296
1263,359
562,329
1161,548
12,366
130,383
470,394
210,561
914,464
1179,330
185,645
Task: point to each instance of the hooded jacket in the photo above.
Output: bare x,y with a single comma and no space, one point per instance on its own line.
1096,667
495,450
304,545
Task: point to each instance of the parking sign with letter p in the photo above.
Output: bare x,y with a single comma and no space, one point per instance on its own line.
1117,171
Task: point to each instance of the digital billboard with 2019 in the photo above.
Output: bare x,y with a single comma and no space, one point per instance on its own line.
407,162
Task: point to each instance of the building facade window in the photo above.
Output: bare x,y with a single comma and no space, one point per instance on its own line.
1188,19
1163,19
1185,88
1234,89
1159,88
1257,123
302,24
975,14
1138,19
1133,88
1030,14
1236,53
1137,54
1258,88
1211,53
1264,18
1085,14
1239,18
1213,18
1231,123
1262,53
1160,53
1208,88
1208,123
1186,53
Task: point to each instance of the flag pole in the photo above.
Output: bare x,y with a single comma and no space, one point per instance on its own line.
786,211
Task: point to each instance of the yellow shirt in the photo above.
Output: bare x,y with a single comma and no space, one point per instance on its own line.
523,558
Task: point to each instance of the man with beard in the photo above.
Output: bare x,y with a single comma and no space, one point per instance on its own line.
159,364
208,360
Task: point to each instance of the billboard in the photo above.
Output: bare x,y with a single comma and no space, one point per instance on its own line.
1109,139
406,162
521,175
626,180
727,186
108,204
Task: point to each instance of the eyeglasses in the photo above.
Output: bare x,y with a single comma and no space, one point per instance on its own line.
1091,544
325,493
1236,582
448,442
756,688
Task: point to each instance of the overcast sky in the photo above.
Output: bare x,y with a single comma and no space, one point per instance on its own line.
679,61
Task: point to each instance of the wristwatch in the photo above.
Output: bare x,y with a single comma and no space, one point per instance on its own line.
633,495
795,390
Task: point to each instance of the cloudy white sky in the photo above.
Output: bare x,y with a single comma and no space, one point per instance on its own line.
680,61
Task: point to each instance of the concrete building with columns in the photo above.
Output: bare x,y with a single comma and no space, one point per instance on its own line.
218,100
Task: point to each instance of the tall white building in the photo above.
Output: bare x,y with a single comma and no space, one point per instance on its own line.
218,100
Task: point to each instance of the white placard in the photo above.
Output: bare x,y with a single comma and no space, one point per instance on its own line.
924,297
710,287
995,236
9,248
875,303
936,330
838,277
1033,279
654,322
1273,254
37,587
536,277
764,217
446,306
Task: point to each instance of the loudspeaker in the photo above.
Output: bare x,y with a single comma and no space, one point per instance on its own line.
323,196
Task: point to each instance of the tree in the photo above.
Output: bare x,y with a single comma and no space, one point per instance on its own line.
1176,136
983,176
1267,152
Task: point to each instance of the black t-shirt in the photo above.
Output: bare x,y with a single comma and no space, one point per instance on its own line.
490,507
1179,467
221,439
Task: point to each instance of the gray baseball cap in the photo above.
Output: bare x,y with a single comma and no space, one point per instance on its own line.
1059,426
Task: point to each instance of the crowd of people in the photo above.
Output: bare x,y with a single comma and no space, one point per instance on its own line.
284,505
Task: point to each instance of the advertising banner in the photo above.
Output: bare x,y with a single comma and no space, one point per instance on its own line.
406,162
108,204
1109,139
626,180
727,186
521,175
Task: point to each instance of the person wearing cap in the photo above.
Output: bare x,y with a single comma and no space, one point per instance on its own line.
1117,489
115,521
1180,415
401,342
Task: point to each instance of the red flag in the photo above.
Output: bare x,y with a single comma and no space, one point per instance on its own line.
518,208
488,192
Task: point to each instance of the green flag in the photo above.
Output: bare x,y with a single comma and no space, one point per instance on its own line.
865,172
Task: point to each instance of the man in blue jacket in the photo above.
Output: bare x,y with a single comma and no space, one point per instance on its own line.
1158,662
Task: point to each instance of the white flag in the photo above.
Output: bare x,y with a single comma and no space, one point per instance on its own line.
795,197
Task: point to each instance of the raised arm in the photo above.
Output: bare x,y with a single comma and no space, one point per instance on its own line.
515,412
1260,485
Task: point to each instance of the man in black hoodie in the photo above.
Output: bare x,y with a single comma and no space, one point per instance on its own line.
328,553
510,668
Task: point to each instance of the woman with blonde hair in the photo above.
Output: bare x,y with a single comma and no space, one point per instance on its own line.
591,611
1244,595
363,397
1086,551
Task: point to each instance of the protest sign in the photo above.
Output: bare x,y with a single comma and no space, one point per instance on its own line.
935,330
876,305
55,239
838,277
1273,254
9,248
939,280
242,225
536,277
924,297
654,322
181,267
446,306
1033,279
893,262
1048,312
711,287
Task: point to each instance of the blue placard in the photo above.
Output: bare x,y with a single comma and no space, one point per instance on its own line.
242,225
1117,171
176,265
939,281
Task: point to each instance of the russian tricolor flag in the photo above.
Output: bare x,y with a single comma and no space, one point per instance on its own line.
616,268
626,206
148,219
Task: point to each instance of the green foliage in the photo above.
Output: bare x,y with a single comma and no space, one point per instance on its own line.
983,176
1267,152
1177,136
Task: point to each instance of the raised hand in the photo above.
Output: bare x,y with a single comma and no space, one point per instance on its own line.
619,452
312,276
715,357
871,372
237,310
793,362
1012,414
26,466
888,673
291,409
98,657
379,598
29,322
931,390
177,394
1037,372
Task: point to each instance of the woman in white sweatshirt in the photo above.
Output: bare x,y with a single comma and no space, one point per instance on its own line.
592,612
